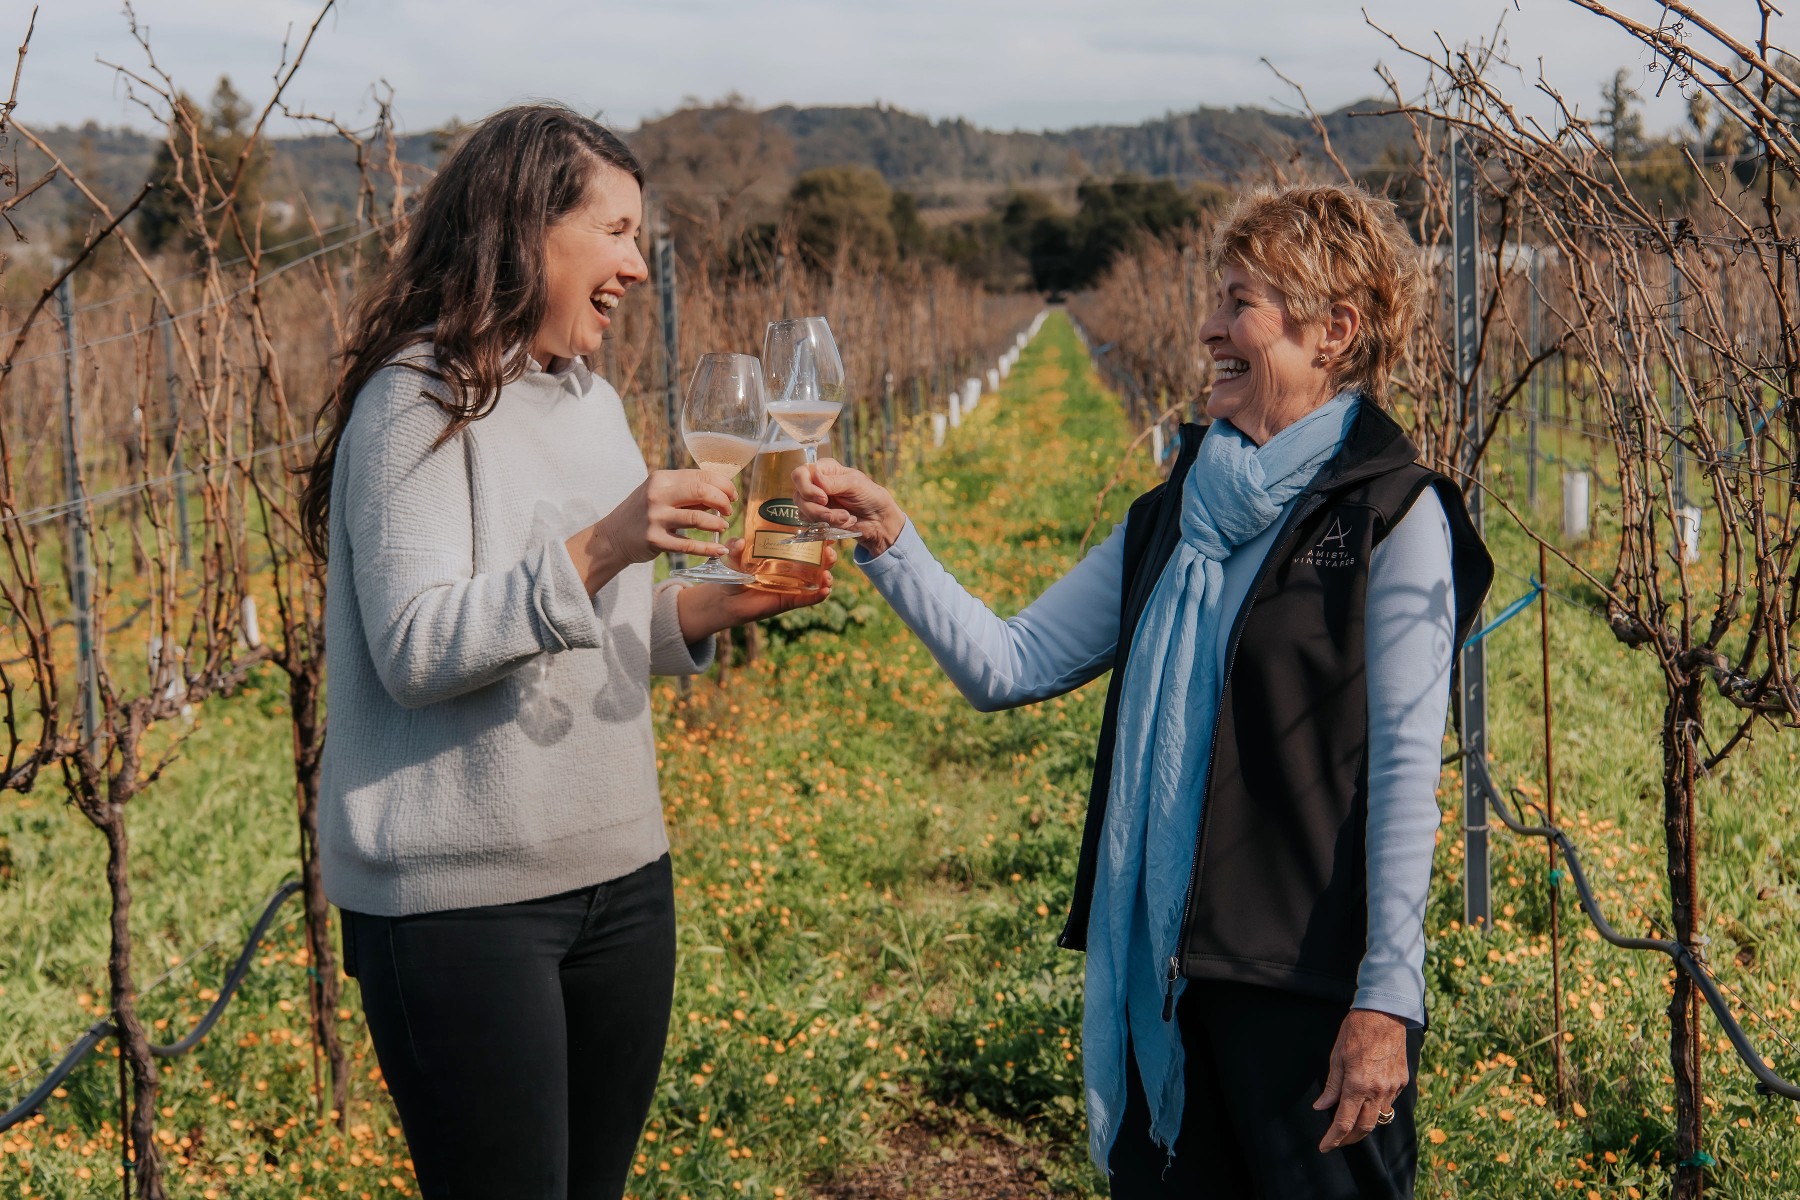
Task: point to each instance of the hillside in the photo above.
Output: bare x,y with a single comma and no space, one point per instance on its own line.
732,147
1217,144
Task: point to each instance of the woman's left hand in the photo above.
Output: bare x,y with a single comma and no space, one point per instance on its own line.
1368,1070
706,608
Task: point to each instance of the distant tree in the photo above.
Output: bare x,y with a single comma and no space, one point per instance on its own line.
1034,229
1395,175
1786,107
715,169
1027,239
754,250
199,159
1022,241
1699,116
1020,212
912,238
447,136
977,249
1660,175
1216,198
1052,254
1113,215
1787,111
1620,117
167,210
837,209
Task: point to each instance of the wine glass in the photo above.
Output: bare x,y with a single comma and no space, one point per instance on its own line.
722,424
806,393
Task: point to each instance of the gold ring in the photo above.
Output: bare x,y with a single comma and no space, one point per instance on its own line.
1385,1118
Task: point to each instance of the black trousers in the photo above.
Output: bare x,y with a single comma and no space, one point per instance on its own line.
521,1042
1256,1060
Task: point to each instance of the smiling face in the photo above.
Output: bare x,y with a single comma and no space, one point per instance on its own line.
590,259
1269,371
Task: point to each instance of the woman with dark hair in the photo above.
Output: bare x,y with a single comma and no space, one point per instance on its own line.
1253,873
489,822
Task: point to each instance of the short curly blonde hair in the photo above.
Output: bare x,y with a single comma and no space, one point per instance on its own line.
1322,244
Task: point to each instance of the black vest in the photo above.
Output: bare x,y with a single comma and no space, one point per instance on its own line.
1278,893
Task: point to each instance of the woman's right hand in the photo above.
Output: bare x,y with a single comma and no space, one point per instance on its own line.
652,521
829,491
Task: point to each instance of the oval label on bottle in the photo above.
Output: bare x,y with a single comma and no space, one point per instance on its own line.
781,511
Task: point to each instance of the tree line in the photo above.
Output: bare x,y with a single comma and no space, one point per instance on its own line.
724,182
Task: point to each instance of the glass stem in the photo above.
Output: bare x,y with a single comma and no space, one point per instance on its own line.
811,450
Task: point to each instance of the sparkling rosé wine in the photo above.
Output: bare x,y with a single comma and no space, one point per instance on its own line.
804,421
771,517
721,453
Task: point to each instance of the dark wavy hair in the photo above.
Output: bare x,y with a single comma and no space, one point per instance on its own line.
469,278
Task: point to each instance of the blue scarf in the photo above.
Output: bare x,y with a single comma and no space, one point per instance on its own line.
1235,490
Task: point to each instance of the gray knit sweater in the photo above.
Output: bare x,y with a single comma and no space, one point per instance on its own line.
490,735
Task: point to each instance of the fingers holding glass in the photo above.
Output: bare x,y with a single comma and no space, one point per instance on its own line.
722,423
806,393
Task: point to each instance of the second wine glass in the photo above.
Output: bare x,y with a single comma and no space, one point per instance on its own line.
722,424
806,393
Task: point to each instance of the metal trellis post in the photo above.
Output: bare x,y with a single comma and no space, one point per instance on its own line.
176,468
1677,386
937,360
846,439
1535,411
80,537
887,420
665,290
1472,694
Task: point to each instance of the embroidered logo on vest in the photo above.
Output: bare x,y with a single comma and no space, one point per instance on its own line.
1333,550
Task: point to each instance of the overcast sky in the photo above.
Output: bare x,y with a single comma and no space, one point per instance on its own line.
1027,64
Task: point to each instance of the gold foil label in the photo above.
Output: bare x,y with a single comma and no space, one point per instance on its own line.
766,544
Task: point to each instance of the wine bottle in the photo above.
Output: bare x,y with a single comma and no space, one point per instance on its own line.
771,515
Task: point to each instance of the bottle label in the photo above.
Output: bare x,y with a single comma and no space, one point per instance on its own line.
766,544
780,510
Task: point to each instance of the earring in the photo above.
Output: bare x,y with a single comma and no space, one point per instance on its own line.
1322,361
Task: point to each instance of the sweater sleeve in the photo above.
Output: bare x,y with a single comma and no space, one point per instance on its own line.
670,653
1065,638
1409,630
435,627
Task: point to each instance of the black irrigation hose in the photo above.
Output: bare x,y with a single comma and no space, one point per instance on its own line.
1768,1082
100,1030
239,969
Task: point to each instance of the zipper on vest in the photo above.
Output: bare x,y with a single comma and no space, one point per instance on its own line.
1307,509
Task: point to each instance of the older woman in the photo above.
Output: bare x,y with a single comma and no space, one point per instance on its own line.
1253,875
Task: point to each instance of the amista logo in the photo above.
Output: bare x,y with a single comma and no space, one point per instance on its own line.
1333,549
781,511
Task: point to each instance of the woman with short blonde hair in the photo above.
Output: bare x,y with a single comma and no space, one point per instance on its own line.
1253,873
1317,245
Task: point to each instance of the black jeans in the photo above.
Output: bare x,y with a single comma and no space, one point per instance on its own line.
1256,1060
521,1042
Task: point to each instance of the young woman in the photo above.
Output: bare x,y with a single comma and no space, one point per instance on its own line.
489,820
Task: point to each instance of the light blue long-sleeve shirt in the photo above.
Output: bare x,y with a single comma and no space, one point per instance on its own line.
1069,634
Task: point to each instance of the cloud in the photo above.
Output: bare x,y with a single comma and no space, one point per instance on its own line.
1005,63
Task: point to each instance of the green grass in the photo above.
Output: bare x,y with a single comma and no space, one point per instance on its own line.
871,877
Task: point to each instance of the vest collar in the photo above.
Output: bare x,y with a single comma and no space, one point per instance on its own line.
1375,445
